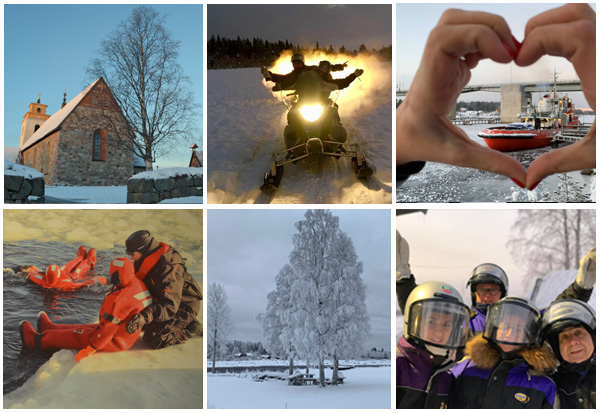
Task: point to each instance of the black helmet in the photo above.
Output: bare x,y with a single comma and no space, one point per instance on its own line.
297,57
487,274
139,241
513,321
324,66
439,301
564,314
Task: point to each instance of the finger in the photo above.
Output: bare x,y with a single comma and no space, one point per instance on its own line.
575,41
472,59
493,21
577,156
459,41
567,13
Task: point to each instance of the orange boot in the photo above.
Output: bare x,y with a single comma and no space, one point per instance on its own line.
29,337
73,336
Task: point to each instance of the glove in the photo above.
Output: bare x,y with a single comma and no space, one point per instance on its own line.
586,276
402,255
83,353
358,72
265,72
139,320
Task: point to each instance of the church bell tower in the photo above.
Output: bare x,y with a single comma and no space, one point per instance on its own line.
33,120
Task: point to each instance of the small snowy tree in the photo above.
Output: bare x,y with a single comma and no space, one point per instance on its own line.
219,319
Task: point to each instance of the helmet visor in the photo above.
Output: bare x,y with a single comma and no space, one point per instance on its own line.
511,323
569,312
440,323
489,274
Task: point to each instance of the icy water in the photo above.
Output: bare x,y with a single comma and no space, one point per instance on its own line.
23,300
446,183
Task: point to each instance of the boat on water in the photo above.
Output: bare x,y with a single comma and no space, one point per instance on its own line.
538,125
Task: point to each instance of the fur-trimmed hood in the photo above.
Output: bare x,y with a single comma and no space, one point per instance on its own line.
541,359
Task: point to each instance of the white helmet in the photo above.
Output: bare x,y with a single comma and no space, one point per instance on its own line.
436,315
488,273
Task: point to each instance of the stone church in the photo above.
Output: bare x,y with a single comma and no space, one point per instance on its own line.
77,145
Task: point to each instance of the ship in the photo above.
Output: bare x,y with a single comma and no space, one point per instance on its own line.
537,127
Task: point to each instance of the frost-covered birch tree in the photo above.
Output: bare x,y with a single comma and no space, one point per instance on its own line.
322,258
349,319
553,239
275,321
219,320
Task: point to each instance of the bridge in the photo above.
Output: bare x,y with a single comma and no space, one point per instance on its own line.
514,96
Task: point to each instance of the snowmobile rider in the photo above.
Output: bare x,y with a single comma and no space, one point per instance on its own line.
287,80
128,296
435,325
569,326
489,283
505,366
171,318
324,69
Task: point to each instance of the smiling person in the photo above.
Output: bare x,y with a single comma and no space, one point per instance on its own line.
435,327
489,283
505,367
569,326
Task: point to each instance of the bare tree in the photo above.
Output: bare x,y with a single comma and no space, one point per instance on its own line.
138,61
547,240
219,319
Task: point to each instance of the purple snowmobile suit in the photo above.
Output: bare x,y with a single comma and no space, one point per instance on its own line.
477,322
419,385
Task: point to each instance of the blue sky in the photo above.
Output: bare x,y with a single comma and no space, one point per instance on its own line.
247,249
46,49
415,21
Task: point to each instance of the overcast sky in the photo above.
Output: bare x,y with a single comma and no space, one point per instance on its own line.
337,25
247,249
46,49
415,21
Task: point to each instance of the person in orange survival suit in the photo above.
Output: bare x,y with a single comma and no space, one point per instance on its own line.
171,319
128,297
70,276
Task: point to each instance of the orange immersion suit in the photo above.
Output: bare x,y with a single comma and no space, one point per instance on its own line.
128,297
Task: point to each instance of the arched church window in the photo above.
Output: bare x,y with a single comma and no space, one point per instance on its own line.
36,128
99,145
38,110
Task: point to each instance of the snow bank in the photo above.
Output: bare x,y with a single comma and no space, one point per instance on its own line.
186,200
363,388
138,378
168,172
11,168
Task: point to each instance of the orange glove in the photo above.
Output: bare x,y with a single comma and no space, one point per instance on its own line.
83,353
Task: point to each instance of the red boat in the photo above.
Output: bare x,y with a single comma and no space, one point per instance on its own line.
537,127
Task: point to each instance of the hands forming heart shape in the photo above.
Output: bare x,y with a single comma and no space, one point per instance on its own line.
455,46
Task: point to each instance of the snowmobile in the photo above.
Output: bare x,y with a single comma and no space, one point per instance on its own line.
314,131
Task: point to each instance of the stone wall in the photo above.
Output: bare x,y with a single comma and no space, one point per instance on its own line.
18,188
151,190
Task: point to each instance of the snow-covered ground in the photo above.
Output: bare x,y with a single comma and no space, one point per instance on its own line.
363,388
168,172
101,195
135,379
246,123
283,363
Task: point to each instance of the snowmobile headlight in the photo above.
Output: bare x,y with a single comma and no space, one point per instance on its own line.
311,112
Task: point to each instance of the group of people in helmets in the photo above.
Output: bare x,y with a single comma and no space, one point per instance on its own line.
502,351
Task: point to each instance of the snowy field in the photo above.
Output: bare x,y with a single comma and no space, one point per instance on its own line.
363,388
134,379
245,126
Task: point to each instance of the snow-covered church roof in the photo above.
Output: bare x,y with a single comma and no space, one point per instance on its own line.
546,289
54,122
